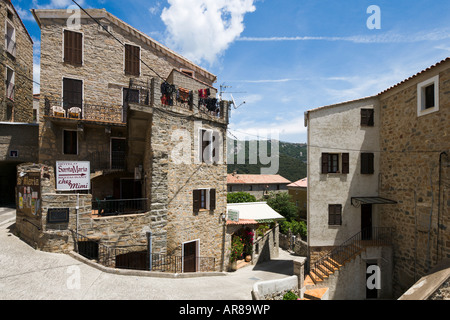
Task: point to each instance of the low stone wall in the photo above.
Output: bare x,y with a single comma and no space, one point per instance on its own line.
298,246
269,290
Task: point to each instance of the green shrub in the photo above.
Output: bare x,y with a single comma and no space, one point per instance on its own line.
297,227
240,197
290,296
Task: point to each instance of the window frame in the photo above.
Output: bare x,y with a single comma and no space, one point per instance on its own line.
213,157
64,141
367,117
421,96
367,163
10,82
335,214
10,24
132,62
204,199
73,61
342,163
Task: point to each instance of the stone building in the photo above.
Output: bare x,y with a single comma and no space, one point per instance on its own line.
414,170
381,164
343,199
18,137
148,122
16,66
298,190
259,185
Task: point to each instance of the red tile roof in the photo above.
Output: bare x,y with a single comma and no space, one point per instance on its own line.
256,179
303,183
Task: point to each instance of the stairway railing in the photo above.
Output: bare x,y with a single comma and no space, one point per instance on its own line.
375,236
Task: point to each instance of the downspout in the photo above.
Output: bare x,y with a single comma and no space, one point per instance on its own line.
439,204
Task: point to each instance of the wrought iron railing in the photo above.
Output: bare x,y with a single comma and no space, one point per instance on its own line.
136,257
105,160
81,110
115,207
376,236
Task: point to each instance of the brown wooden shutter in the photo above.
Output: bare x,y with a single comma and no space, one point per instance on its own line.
132,60
334,214
367,117
367,163
72,93
196,200
73,47
325,160
345,163
212,199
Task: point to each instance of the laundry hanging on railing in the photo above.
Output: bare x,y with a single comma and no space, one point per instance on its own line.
184,95
167,91
212,104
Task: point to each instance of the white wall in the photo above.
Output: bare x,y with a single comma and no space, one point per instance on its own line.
337,129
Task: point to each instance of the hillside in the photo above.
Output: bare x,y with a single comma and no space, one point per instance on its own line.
292,161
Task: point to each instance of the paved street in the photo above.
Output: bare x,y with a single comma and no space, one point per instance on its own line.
29,274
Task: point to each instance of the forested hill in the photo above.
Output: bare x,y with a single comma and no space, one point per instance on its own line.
292,160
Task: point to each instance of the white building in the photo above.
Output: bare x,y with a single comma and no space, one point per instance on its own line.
343,180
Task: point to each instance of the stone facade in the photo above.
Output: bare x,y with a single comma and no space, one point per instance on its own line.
18,58
414,173
161,140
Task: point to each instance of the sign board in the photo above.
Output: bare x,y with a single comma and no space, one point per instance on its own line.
29,193
58,215
233,215
73,175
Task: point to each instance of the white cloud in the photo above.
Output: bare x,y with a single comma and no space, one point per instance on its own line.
203,29
154,10
389,37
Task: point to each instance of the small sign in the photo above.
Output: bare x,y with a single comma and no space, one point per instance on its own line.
58,215
29,193
14,154
233,215
73,175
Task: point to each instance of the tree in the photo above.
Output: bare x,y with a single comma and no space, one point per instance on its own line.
282,203
240,197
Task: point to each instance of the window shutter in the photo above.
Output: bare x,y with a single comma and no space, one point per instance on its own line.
335,214
367,117
212,199
196,200
367,163
325,163
73,47
345,163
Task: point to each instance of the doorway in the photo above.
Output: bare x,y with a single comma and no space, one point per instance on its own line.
190,256
366,221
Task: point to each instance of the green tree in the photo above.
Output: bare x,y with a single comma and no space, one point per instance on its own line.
282,203
240,197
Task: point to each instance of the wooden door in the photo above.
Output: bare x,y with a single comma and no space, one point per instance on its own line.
190,256
366,221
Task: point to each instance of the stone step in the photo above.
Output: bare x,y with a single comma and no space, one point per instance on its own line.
316,294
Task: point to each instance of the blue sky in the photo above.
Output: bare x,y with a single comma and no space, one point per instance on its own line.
283,57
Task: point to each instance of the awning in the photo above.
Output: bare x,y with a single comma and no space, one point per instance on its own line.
371,200
251,213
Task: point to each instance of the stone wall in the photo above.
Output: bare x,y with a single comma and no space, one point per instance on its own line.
21,108
22,138
413,172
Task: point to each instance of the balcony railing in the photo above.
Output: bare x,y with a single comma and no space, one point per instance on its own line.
105,160
117,207
137,257
82,110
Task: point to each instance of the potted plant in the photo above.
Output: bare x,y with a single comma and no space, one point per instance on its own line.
248,245
237,247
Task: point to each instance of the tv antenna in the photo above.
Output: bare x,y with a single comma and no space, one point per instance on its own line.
222,90
234,102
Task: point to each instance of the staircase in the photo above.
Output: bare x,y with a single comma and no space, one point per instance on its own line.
323,268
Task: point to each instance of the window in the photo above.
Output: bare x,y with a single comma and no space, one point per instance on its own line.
367,166
367,117
10,78
187,72
132,60
428,96
209,144
72,93
335,163
73,47
10,39
334,214
70,142
204,199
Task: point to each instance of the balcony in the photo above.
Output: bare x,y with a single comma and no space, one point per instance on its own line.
77,110
116,207
107,161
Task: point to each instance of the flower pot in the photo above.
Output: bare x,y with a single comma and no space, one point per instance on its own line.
248,258
233,265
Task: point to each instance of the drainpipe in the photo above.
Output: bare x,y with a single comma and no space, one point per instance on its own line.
439,204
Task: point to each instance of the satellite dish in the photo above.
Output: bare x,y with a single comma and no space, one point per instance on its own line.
234,102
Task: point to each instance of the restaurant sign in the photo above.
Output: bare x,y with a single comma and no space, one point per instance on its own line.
73,175
29,193
233,215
